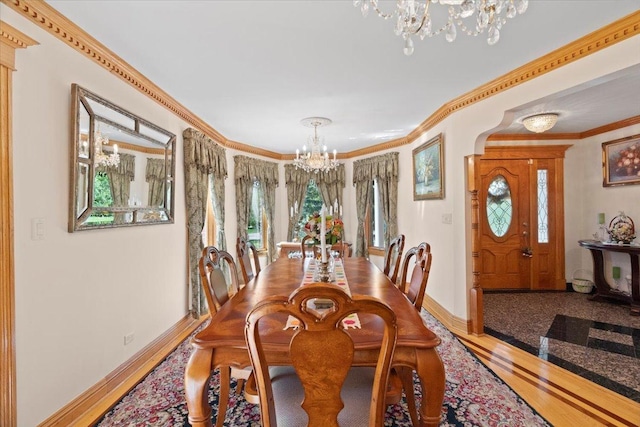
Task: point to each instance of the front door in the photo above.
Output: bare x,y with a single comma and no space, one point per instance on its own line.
505,224
521,235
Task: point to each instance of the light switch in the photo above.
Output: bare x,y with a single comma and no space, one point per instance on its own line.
37,228
446,218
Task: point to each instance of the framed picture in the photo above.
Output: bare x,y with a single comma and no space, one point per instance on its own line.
621,161
428,170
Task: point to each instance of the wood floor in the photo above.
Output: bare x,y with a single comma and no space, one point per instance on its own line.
563,398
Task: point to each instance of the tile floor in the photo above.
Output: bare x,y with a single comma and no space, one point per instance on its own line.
599,341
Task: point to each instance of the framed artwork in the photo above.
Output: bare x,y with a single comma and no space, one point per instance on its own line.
621,161
428,170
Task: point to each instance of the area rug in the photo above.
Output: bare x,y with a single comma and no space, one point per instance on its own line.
474,395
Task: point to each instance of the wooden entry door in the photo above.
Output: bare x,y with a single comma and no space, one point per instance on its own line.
505,224
521,218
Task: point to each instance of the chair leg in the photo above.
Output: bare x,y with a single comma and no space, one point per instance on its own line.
223,397
240,385
406,376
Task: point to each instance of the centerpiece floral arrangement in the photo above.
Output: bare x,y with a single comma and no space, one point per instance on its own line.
334,228
621,229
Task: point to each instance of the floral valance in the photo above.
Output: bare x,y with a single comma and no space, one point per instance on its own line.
384,166
204,153
248,169
334,176
293,175
126,168
155,169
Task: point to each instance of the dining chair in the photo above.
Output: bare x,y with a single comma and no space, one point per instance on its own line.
307,246
218,291
415,288
321,353
243,249
392,258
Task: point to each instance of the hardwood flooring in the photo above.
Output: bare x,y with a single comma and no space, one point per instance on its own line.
561,397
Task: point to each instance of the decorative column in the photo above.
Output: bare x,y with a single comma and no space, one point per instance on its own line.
476,304
10,40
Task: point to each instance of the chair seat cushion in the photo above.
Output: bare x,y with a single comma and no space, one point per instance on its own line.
288,395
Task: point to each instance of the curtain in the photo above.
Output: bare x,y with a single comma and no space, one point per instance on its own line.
384,169
331,185
120,178
156,178
247,171
202,157
296,181
363,193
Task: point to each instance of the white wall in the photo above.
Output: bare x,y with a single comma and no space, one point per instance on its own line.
609,200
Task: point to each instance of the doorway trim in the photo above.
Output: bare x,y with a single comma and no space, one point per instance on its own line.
476,307
10,40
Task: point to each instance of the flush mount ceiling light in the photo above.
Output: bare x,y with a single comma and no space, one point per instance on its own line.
540,122
413,18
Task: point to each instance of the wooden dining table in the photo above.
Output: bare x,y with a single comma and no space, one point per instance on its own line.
222,342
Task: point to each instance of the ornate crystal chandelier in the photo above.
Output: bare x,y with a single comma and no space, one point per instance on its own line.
317,159
101,158
413,18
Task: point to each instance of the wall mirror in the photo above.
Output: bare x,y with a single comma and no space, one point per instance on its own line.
122,167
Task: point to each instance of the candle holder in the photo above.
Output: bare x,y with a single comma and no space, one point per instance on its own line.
323,272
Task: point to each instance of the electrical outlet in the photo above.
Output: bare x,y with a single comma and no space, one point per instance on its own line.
446,218
128,338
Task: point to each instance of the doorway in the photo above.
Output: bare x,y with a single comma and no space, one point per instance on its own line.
521,218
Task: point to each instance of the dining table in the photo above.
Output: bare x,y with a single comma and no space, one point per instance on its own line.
221,343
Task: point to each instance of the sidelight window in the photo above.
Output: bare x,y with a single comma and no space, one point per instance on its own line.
543,207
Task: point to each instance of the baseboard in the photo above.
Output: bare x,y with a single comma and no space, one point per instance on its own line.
91,405
455,324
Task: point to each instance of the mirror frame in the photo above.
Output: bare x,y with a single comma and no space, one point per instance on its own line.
139,215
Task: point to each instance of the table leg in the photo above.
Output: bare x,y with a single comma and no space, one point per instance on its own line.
635,284
196,387
432,380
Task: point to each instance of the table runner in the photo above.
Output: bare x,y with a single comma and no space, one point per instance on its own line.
351,321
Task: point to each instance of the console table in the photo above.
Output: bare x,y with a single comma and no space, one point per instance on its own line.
603,290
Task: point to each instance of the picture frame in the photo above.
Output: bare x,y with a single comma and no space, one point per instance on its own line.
428,169
621,161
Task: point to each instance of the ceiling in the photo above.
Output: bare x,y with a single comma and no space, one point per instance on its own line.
253,69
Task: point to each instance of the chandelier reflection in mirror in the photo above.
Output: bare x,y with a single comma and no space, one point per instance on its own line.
101,158
413,18
317,159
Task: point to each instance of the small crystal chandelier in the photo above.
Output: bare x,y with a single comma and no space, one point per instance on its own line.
413,18
317,159
102,159
539,123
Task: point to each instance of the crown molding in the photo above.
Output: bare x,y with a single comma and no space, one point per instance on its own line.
556,136
12,39
56,24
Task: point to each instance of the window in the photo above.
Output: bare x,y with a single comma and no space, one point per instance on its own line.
374,223
256,226
102,198
311,204
543,207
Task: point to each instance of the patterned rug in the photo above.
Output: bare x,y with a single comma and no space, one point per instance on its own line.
474,395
